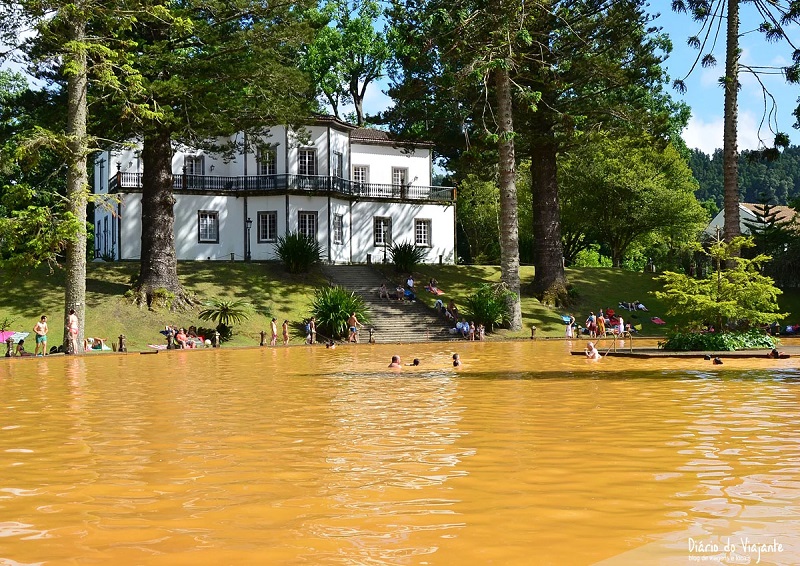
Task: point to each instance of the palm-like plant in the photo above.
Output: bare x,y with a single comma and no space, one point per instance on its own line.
298,252
332,307
225,313
406,256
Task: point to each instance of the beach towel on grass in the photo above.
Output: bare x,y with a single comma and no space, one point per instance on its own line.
657,320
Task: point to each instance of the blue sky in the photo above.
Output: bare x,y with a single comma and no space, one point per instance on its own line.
704,95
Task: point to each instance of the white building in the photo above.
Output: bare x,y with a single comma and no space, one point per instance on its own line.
355,190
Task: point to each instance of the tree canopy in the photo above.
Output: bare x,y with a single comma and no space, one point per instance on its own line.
620,190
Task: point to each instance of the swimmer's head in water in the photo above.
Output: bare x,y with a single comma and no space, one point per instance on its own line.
416,362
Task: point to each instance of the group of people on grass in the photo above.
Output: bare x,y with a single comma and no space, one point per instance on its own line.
182,338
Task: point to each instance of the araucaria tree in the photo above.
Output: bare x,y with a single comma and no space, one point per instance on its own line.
773,17
735,297
469,51
573,66
597,65
208,70
60,49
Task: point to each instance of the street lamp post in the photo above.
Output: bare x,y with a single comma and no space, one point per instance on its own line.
247,256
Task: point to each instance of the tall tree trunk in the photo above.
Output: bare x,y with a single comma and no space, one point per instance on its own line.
509,225
550,282
77,180
158,271
730,160
358,100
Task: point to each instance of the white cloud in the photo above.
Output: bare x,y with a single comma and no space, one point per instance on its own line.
706,135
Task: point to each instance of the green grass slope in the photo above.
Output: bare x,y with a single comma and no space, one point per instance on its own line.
109,313
270,289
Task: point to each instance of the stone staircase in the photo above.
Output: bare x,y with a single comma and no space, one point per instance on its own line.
392,321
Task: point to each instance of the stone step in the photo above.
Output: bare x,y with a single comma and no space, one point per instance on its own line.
392,321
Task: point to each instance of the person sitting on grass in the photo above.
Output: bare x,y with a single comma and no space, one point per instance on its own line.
181,338
20,351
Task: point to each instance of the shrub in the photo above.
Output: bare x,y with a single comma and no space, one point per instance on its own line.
162,298
728,341
332,306
406,256
487,306
298,252
225,314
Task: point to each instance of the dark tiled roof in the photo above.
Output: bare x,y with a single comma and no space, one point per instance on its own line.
371,135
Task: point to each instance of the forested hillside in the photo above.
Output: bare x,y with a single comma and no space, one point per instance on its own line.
778,181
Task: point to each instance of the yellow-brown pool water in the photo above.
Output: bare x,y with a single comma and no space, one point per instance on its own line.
302,455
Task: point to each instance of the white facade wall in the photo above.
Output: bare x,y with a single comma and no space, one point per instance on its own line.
403,216
381,159
340,253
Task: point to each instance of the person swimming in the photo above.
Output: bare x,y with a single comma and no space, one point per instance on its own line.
395,362
456,360
415,362
591,351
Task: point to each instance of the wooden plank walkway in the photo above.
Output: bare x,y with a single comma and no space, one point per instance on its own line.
646,353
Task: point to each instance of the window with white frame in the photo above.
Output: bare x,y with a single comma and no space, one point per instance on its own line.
422,232
267,159
208,226
360,173
194,164
307,162
307,224
268,226
399,176
382,230
338,164
338,229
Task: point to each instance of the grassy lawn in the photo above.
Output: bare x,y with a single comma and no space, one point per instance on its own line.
109,313
594,288
266,286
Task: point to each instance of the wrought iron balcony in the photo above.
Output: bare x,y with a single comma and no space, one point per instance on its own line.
282,183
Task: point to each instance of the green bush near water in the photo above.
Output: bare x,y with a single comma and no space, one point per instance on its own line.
723,341
332,306
487,306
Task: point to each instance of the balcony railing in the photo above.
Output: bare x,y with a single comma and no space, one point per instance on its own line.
311,183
